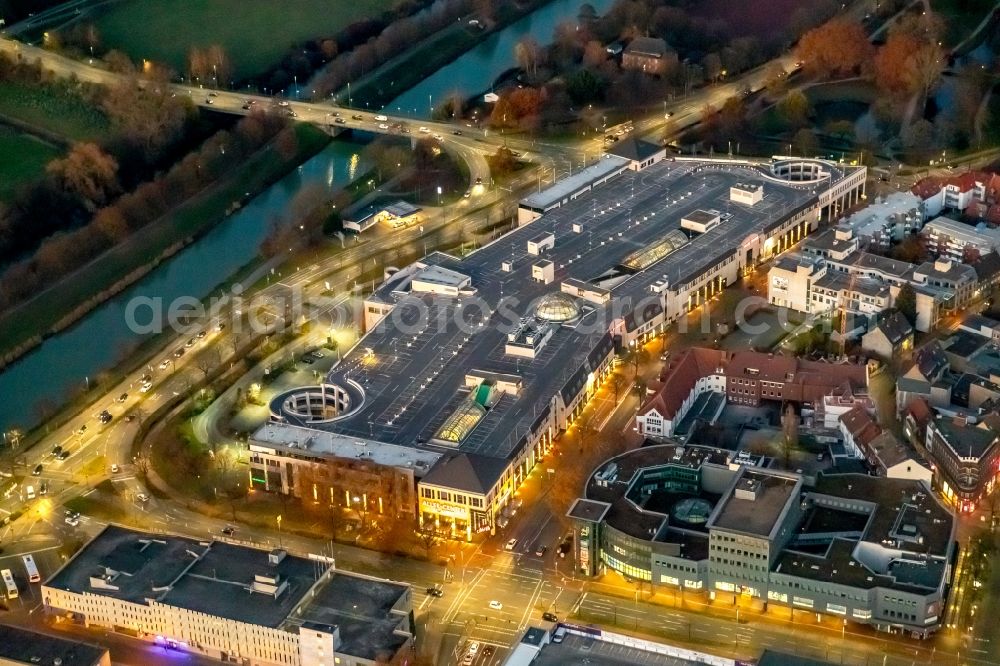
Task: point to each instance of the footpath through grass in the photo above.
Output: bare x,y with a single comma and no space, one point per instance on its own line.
191,218
53,110
24,159
254,33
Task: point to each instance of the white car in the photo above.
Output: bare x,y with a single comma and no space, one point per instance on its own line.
510,544
142,497
114,468
145,387
383,126
381,118
72,521
164,364
496,605
473,648
424,130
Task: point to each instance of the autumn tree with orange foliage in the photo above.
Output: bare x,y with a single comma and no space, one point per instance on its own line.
837,48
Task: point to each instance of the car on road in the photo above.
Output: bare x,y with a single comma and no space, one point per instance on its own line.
383,126
308,360
541,550
43,489
37,470
189,343
488,651
668,114
474,648
357,116
228,530
380,118
479,180
496,605
142,497
438,137
209,100
57,450
29,492
468,659
115,469
246,107
72,520
282,103
105,417
291,114
82,429
122,398
318,354
511,544
457,132
145,387
435,591
468,193
549,617
565,546
179,352
340,121
164,364
201,334
62,455
424,130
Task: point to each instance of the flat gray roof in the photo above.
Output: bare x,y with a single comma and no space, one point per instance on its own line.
760,515
573,184
426,347
595,652
207,577
362,608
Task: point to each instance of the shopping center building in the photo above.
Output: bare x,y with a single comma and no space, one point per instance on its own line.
481,361
871,550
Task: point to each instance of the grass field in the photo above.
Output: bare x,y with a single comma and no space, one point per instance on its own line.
189,218
51,109
255,33
24,159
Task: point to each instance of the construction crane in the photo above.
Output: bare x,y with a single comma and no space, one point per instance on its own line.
844,299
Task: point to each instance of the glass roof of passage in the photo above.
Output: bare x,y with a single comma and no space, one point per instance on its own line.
674,240
461,422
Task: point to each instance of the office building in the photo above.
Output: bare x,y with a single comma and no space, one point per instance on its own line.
233,603
875,551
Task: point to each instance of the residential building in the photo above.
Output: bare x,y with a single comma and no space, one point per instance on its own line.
924,379
693,519
958,192
753,377
961,242
233,603
965,456
684,380
890,339
24,646
886,221
831,273
650,55
884,454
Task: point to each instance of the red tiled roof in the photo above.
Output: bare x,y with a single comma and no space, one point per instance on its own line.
925,188
860,425
920,410
680,377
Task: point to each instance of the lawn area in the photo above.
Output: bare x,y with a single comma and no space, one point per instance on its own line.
24,159
255,33
52,109
190,218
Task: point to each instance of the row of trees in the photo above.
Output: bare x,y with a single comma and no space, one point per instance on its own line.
393,40
147,130
91,174
911,60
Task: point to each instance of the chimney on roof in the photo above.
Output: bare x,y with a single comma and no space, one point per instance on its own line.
275,557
